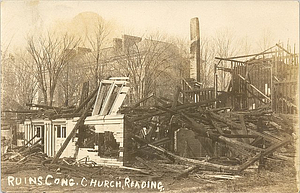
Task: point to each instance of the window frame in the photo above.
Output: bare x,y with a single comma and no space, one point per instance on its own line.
61,131
36,129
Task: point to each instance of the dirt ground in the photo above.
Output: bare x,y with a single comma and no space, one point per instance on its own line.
275,178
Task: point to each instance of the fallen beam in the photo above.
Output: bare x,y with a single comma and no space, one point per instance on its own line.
140,101
215,167
262,154
186,172
179,107
225,120
254,87
79,123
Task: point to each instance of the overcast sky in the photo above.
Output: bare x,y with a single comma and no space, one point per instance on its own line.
249,18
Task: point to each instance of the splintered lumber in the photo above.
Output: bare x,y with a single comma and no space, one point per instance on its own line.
215,167
159,142
265,136
200,128
268,151
186,172
42,106
179,107
244,129
31,147
239,144
30,140
79,123
233,142
197,127
21,111
134,169
160,101
140,101
225,120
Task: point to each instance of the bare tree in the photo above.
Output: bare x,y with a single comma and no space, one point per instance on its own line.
75,73
245,46
266,40
19,85
50,54
224,46
207,61
25,79
149,63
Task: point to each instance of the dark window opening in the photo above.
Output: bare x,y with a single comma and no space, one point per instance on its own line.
61,131
58,131
38,132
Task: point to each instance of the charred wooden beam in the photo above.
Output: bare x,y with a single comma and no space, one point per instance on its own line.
244,129
225,120
267,152
186,172
254,87
244,56
215,167
140,101
21,111
42,106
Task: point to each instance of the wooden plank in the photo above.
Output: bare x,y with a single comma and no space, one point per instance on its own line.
254,88
243,56
225,120
140,101
186,172
199,90
265,136
30,140
268,151
215,167
239,144
119,100
99,99
244,129
105,105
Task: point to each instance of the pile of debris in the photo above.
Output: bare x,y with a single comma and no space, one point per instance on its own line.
233,140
